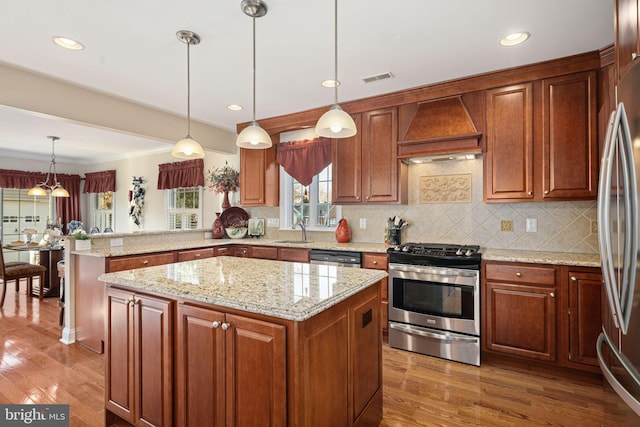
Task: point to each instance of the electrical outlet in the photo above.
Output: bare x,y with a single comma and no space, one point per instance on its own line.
532,225
594,227
116,242
506,225
273,222
363,223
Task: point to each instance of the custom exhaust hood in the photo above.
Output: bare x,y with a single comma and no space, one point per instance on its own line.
441,129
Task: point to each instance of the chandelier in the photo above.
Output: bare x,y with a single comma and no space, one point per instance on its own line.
54,186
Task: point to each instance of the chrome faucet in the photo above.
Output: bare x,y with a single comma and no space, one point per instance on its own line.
302,227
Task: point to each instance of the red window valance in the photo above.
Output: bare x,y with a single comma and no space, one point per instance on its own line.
304,159
189,173
20,179
100,182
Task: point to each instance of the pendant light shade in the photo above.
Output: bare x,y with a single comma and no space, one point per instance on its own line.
57,190
188,148
336,123
253,136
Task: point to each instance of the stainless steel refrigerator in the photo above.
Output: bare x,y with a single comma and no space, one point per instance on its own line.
618,345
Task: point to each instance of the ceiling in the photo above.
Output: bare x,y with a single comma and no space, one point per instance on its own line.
132,52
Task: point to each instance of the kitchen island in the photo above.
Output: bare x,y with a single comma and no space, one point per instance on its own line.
237,341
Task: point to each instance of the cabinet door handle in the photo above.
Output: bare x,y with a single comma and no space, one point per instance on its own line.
131,302
546,191
357,197
552,295
530,193
634,55
216,324
225,326
518,274
367,197
574,278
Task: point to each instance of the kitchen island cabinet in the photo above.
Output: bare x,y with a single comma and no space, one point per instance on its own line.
266,350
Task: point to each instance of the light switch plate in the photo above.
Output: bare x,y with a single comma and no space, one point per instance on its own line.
363,223
532,225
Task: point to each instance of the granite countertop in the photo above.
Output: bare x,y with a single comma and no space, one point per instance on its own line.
540,257
287,290
134,249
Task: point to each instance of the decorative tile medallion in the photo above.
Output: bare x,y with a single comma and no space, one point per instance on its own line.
445,188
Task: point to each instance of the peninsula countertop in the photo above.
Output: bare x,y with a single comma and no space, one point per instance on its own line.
287,290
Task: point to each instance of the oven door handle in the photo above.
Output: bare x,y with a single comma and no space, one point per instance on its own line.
413,330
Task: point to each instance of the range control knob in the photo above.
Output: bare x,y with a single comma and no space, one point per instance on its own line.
405,249
459,251
469,252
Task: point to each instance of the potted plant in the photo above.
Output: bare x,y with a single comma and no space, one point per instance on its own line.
83,240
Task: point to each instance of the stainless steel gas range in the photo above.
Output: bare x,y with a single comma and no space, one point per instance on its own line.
434,300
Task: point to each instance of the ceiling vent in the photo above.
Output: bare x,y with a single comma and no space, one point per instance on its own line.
377,77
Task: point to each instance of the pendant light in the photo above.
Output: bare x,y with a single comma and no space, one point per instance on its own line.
336,123
253,136
188,148
57,190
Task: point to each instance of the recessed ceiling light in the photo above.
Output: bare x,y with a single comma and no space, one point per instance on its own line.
67,43
514,39
330,83
234,107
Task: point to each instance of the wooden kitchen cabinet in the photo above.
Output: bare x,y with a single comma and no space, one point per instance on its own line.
366,168
259,177
139,261
241,251
627,43
508,161
570,139
520,309
264,252
294,254
380,262
542,141
139,358
194,254
230,370
584,314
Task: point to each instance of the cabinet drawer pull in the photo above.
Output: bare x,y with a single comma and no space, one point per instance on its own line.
552,295
225,326
518,274
145,262
216,324
375,262
197,255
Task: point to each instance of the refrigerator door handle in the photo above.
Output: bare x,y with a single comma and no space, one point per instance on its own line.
604,197
610,377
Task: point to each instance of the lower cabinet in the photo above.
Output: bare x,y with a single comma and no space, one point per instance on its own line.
520,311
542,312
231,370
139,358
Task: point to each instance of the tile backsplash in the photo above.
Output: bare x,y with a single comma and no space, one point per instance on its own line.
437,213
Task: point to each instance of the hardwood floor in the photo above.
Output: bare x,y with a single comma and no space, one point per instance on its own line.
418,390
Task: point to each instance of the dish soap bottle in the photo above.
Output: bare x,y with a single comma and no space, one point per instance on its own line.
343,234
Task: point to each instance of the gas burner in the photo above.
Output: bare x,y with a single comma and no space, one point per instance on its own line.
436,254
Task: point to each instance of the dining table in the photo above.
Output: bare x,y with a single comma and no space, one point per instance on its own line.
47,256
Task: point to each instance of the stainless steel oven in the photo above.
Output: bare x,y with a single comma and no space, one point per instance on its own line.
434,300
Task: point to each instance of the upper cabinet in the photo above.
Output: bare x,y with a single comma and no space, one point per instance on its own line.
366,168
627,35
259,179
542,141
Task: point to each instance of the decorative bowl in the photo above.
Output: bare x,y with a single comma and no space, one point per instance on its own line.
236,233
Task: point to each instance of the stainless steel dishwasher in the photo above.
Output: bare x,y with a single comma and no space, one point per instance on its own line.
337,258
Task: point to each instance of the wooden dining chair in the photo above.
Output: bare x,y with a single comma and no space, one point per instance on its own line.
14,271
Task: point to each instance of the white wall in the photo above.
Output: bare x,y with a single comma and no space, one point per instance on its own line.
147,167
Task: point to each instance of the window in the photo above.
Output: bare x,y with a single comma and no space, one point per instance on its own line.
184,208
101,211
310,205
